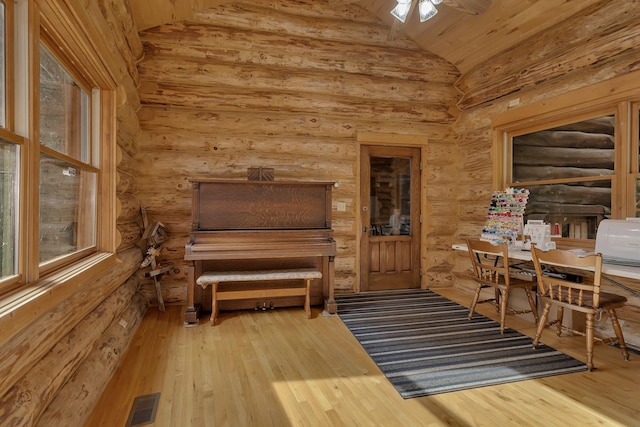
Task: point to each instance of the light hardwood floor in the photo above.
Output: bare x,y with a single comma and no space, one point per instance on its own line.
277,368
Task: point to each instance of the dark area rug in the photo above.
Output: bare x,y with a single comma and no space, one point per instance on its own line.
425,344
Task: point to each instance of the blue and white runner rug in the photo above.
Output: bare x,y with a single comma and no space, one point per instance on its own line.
425,344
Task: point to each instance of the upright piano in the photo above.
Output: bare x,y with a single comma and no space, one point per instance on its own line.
260,225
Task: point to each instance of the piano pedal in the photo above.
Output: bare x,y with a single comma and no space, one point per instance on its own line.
257,306
264,306
271,305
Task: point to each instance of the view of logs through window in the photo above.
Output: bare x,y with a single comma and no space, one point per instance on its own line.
556,164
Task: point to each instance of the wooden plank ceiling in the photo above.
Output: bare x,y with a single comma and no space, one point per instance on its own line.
463,38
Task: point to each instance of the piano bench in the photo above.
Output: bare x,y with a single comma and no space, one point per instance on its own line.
213,278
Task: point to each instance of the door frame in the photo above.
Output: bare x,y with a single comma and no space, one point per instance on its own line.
393,140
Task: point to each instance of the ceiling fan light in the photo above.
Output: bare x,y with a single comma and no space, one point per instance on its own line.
427,10
401,10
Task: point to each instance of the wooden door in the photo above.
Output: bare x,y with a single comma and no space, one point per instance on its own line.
390,216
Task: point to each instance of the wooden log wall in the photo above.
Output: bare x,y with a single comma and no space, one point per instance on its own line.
285,85
560,52
53,371
598,44
288,86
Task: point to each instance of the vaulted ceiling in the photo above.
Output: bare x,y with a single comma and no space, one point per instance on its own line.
464,39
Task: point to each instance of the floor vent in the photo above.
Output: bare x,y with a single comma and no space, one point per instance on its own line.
143,410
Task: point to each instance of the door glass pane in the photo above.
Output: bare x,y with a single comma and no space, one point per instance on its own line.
67,208
8,208
390,202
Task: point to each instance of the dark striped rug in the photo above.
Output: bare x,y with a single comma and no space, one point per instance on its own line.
426,345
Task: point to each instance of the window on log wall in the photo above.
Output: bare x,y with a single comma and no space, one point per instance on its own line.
568,170
577,154
67,194
9,154
57,148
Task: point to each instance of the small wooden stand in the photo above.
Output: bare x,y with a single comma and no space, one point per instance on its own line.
154,234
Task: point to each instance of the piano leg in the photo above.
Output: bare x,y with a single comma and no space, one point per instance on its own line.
215,308
330,304
193,311
307,299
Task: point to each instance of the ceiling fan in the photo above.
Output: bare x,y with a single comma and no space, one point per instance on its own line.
427,10
473,7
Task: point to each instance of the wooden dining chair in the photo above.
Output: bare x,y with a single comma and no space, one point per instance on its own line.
491,267
584,297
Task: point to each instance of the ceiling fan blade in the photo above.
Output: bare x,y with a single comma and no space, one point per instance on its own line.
394,31
473,7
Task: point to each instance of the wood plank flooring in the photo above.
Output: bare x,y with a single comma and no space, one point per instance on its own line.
276,368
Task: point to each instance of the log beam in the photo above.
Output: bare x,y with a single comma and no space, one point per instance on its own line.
75,401
541,59
189,72
225,44
30,396
32,343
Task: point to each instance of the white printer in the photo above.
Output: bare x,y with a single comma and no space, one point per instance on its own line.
619,241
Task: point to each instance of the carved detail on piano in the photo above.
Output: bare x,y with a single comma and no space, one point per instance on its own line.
259,225
260,174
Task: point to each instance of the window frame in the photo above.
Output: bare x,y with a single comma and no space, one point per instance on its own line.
94,144
9,65
620,96
31,290
9,134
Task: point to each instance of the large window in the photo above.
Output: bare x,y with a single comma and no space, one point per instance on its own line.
578,156
568,170
67,194
9,160
57,147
